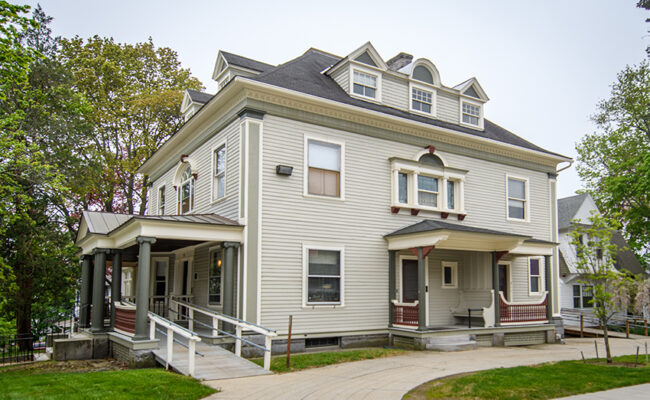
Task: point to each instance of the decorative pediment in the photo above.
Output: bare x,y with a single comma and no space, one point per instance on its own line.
471,88
220,65
367,54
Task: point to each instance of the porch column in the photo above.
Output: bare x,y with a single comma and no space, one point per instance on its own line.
116,284
422,292
99,274
549,286
85,291
229,281
495,286
142,289
391,285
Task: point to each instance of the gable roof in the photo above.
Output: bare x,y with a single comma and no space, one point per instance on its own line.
428,225
199,97
303,74
567,209
245,62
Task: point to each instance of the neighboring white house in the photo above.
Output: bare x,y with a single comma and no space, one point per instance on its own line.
364,197
574,293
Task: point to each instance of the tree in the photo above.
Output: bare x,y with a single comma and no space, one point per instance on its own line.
614,162
596,264
135,91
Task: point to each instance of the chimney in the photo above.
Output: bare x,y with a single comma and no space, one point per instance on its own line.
399,61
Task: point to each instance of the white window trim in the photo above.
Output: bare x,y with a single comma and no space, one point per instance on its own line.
363,68
305,180
161,186
542,269
582,296
305,276
454,274
213,151
426,278
476,104
211,252
427,88
526,200
179,190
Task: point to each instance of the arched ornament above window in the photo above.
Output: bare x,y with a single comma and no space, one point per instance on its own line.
424,71
182,169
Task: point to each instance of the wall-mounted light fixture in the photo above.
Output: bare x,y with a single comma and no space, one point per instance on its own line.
283,170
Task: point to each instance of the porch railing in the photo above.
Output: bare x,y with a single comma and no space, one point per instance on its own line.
511,312
160,304
172,329
405,313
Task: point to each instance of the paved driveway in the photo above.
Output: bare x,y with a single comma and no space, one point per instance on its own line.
392,377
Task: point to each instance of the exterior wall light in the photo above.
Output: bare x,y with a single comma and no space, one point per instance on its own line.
283,170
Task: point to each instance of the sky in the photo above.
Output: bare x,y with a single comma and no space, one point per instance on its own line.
544,64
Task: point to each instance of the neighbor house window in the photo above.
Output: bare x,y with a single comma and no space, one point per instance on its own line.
427,191
219,188
421,100
403,184
186,192
214,284
324,163
324,272
161,200
582,296
517,198
449,274
451,201
364,84
471,113
534,275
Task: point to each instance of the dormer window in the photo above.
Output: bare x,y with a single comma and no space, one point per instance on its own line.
471,113
364,84
422,74
421,100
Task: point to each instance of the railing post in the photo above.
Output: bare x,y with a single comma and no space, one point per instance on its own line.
190,322
495,286
238,342
71,326
627,328
215,327
170,347
268,342
582,325
191,356
152,329
645,327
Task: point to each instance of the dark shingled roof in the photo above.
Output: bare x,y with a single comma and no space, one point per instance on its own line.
240,61
199,97
303,74
429,225
567,209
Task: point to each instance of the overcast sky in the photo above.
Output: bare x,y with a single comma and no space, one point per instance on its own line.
544,64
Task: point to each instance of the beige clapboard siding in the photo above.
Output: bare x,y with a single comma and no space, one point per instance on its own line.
289,219
227,207
342,77
395,92
448,107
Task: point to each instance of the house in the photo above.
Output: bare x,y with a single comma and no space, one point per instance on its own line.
575,295
359,195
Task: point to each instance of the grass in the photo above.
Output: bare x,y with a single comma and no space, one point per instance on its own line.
50,380
544,381
313,360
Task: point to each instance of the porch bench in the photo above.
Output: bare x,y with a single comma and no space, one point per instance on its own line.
472,313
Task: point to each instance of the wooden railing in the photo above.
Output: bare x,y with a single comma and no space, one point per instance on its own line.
172,329
405,313
240,325
511,312
160,304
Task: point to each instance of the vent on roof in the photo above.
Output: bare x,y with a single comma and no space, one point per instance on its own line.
399,61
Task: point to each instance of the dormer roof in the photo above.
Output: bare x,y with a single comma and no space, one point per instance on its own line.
198,97
225,59
472,88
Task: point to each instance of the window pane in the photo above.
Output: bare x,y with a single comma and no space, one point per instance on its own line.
534,266
426,108
221,187
450,195
324,290
576,290
161,269
358,89
370,92
324,262
220,161
427,183
214,284
516,189
428,199
470,119
448,275
403,187
576,302
324,155
534,284
516,209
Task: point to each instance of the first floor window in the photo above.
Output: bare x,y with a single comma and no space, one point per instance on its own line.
365,84
214,284
324,276
421,100
186,192
471,113
449,275
403,184
324,163
427,191
534,274
451,187
582,296
516,198
220,172
161,200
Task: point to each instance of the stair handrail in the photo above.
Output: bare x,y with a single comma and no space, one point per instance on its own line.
155,319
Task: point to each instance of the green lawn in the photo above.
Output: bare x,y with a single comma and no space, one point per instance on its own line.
312,360
36,383
544,381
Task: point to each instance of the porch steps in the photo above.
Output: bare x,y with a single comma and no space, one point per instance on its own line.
451,343
216,362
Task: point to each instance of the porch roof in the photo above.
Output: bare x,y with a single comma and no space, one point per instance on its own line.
445,235
119,231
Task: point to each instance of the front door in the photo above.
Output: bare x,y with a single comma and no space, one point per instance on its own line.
409,281
503,280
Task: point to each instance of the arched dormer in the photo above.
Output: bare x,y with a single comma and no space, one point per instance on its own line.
424,80
424,71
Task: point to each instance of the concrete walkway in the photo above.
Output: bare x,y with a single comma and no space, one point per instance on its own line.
638,392
392,377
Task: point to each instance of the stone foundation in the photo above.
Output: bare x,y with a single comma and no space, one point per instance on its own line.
135,354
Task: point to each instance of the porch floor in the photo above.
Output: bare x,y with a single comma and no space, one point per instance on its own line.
214,362
463,328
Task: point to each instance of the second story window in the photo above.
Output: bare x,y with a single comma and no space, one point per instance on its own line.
517,201
403,184
324,163
161,200
421,100
427,191
219,159
364,84
471,113
186,192
451,195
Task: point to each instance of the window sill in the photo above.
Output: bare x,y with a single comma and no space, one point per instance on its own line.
478,127
449,287
322,197
396,207
422,113
311,306
217,201
526,221
366,98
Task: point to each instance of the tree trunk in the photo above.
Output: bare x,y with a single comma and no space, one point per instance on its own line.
24,308
606,339
143,194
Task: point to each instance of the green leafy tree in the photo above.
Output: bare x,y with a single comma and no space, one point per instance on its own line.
135,91
614,162
596,264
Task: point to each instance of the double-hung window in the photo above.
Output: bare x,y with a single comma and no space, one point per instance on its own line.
324,163
364,84
403,187
534,275
582,296
324,275
186,192
427,191
471,113
219,187
161,200
421,100
214,284
517,198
